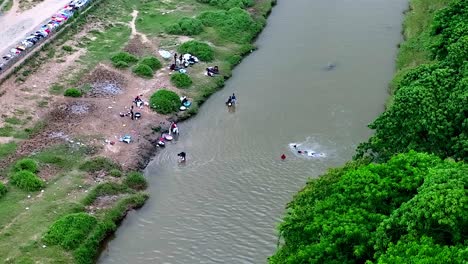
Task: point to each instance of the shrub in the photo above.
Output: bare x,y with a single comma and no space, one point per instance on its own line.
186,26
3,189
70,230
26,164
136,180
202,50
72,92
165,102
67,48
143,70
115,173
125,57
27,181
181,80
99,163
152,62
120,64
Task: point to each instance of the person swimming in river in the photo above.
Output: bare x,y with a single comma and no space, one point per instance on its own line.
181,156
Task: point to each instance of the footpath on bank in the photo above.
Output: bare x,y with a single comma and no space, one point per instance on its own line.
71,142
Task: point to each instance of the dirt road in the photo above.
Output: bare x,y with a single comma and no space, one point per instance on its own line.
15,25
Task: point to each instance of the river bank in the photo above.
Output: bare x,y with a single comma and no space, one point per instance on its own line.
392,203
67,138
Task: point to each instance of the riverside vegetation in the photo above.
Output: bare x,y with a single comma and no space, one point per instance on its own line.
59,203
403,198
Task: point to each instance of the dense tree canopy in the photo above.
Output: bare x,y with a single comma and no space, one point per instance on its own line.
430,109
366,213
405,206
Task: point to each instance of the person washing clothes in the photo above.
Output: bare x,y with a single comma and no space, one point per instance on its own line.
174,129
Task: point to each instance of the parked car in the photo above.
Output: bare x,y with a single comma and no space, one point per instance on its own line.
42,33
8,56
27,43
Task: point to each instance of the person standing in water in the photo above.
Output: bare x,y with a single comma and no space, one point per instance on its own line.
233,98
181,155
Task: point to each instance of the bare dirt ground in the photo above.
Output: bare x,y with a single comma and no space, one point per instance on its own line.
93,120
15,24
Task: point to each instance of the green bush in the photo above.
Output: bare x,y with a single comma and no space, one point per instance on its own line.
99,163
181,80
152,62
120,64
26,180
3,189
115,173
26,164
136,180
165,101
67,48
143,70
202,50
186,26
73,92
70,230
235,25
125,57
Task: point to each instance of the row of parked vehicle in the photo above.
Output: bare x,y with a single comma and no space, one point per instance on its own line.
44,31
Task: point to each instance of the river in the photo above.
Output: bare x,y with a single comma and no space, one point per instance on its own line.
224,203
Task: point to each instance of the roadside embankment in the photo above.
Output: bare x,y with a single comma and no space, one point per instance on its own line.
82,170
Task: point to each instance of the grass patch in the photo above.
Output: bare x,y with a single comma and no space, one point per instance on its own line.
6,131
181,80
18,226
7,149
62,156
108,188
136,180
56,89
13,121
98,164
7,6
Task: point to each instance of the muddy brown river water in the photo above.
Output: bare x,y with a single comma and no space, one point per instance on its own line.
319,77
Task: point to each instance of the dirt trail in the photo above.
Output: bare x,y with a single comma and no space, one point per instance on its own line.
144,38
15,25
